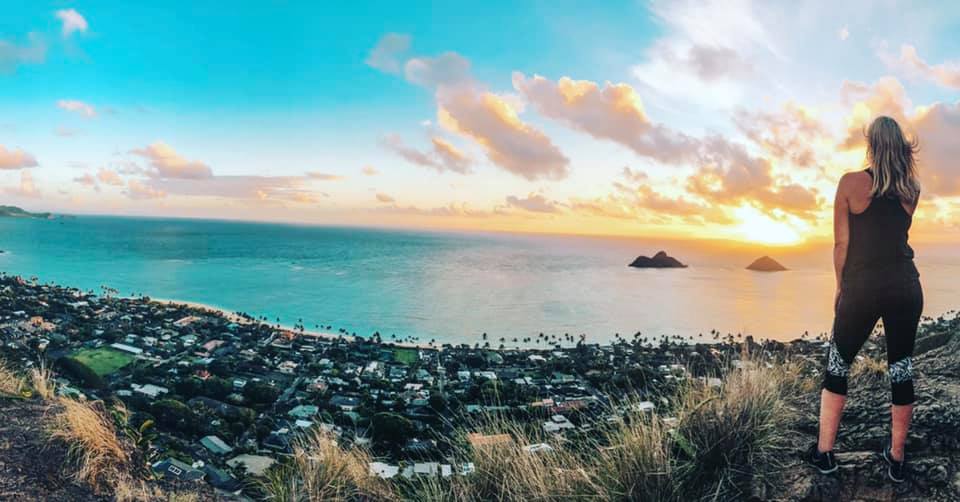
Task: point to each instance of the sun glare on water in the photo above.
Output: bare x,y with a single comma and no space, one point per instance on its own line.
756,226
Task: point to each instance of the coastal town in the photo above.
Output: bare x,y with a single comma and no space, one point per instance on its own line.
230,394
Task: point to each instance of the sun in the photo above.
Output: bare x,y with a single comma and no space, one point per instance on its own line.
756,226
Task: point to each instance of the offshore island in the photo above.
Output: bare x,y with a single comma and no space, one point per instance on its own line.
194,402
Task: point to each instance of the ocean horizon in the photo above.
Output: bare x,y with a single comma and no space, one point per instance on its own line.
447,287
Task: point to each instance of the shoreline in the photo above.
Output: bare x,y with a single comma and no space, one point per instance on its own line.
235,318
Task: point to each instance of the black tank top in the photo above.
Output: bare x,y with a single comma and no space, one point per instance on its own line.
878,241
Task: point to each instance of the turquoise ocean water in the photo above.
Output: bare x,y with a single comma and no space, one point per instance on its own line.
446,286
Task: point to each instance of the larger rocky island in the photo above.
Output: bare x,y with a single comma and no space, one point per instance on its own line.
659,260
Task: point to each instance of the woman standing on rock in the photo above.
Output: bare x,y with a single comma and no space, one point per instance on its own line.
876,278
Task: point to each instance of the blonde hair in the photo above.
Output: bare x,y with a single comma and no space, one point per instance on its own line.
892,160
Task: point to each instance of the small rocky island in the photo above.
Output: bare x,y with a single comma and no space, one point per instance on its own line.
766,264
659,260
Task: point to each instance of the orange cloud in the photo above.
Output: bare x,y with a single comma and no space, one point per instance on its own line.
15,159
384,198
534,203
167,163
138,190
613,112
444,157
369,171
945,74
27,188
109,177
786,135
508,142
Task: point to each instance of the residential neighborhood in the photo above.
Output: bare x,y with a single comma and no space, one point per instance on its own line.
231,394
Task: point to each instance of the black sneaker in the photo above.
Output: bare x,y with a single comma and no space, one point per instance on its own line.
824,462
896,470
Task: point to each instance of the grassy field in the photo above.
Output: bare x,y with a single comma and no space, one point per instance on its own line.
103,361
404,355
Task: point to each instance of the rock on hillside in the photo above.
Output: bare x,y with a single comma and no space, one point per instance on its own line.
659,260
766,264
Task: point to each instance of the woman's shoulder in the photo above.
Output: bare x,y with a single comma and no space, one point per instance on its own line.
855,179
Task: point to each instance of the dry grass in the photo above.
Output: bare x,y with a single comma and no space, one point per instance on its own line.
727,443
508,472
102,461
321,470
11,383
636,464
731,438
41,379
869,370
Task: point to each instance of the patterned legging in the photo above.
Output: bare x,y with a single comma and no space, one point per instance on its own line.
899,303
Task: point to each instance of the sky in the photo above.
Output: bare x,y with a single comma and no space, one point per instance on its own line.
718,120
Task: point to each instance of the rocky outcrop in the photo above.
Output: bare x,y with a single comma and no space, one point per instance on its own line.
659,260
933,446
766,264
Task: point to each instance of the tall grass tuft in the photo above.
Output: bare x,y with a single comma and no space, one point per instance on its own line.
102,461
731,440
321,470
41,379
11,382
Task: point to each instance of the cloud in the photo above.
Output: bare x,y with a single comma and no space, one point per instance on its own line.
731,176
15,159
324,176
168,164
369,171
451,156
707,53
385,56
447,69
634,198
72,21
384,198
444,157
78,107
843,34
493,123
256,188
938,127
27,188
461,210
613,112
945,74
108,177
886,96
13,55
533,202
87,180
140,191
788,134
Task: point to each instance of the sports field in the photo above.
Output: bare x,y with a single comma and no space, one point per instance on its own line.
405,355
103,361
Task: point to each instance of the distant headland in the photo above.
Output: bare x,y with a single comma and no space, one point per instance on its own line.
766,264
659,260
16,212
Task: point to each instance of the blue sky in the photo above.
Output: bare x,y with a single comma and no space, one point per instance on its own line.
113,99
